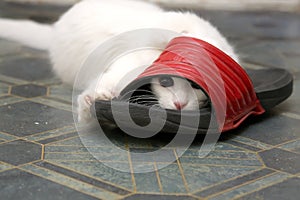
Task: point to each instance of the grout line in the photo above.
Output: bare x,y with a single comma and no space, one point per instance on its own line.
227,180
234,139
89,176
220,158
261,160
131,168
66,185
63,139
47,92
291,115
43,152
9,141
158,178
191,164
181,172
9,90
278,147
250,182
263,187
48,131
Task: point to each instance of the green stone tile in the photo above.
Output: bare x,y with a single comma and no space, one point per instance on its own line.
251,142
69,182
8,48
83,157
286,190
222,146
68,142
244,146
4,166
284,50
7,137
222,154
68,149
3,88
33,52
286,47
100,171
102,154
145,182
68,156
111,155
290,107
63,92
19,152
139,167
221,161
12,80
281,160
292,146
29,90
143,196
171,179
272,129
151,155
26,67
52,133
53,103
138,143
57,138
233,183
19,184
83,178
48,81
79,149
292,62
6,100
28,118
266,181
112,138
203,176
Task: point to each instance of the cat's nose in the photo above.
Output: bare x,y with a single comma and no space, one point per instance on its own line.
179,105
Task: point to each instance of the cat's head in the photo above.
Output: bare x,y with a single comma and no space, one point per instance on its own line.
178,93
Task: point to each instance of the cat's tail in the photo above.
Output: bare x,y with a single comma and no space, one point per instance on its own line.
27,32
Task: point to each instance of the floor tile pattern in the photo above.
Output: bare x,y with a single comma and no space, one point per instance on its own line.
43,157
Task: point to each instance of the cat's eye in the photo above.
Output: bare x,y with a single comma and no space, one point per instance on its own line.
194,85
166,81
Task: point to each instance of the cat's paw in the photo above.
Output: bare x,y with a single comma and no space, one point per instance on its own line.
85,102
87,99
104,94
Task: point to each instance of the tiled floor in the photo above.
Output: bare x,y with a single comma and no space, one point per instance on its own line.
42,156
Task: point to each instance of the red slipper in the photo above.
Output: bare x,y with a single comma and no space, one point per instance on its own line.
234,94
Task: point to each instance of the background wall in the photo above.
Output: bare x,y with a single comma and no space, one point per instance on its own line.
285,5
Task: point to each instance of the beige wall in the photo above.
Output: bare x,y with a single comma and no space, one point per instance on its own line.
289,5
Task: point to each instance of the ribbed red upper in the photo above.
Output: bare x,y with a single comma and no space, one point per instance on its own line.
224,80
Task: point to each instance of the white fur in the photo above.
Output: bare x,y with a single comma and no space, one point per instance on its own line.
89,23
27,32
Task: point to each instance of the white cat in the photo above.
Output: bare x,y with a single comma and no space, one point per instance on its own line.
90,22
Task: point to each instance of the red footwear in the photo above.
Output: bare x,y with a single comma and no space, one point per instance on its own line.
234,94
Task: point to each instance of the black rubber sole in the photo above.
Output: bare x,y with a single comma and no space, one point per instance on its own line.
272,87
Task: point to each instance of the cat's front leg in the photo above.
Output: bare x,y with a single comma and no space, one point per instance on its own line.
84,102
98,90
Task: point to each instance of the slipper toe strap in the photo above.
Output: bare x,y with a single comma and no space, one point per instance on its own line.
225,82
